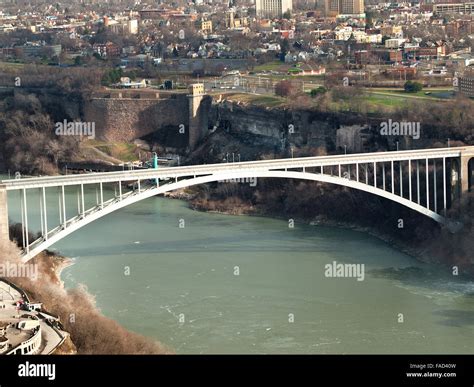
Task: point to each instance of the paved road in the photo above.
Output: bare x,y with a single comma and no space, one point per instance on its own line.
255,84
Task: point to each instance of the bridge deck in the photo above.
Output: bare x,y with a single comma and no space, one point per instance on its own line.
200,170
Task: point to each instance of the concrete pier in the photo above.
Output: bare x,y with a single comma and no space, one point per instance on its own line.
4,232
466,175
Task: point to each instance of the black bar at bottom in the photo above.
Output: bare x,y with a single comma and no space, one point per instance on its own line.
381,370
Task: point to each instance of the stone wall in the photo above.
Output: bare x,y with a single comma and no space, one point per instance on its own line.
126,119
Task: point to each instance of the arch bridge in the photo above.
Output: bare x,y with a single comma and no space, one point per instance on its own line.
427,181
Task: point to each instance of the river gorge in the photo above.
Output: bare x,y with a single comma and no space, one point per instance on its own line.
213,283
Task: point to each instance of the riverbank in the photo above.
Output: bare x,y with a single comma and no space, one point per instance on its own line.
90,331
65,263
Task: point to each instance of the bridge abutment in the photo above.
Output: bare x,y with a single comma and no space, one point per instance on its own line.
4,228
466,174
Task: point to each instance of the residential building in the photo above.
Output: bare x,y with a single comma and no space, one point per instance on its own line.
466,85
344,7
206,26
273,8
464,8
108,49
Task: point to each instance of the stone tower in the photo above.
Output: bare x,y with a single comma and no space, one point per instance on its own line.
198,113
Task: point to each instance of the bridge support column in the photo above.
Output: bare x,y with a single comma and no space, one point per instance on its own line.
445,190
418,196
465,176
24,221
45,213
4,230
401,178
409,181
435,192
427,175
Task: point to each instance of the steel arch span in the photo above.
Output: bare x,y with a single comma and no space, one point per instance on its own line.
98,212
416,179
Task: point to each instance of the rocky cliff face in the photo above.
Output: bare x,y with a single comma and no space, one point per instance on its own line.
285,127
